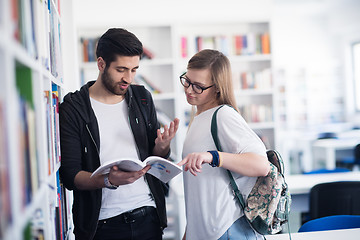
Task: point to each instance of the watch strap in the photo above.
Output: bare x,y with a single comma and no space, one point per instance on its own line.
108,184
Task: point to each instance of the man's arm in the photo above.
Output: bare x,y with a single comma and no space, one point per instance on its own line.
83,181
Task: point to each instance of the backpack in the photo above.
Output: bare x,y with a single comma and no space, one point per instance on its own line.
267,207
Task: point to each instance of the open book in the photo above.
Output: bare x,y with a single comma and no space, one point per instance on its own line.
161,168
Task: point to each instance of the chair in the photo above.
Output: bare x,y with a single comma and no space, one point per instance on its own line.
331,223
335,198
324,170
352,162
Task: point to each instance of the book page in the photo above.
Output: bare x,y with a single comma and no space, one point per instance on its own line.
162,168
129,165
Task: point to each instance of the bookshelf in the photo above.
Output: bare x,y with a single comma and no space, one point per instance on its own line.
33,203
247,45
156,71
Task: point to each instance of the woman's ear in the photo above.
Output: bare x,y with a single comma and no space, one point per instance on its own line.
217,93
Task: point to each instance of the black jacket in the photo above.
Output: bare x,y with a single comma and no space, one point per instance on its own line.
80,146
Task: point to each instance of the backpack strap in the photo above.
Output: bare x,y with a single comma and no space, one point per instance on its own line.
214,134
143,99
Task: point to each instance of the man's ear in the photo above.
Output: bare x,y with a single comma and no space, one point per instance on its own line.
101,64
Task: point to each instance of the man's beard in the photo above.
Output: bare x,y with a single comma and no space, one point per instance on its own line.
110,84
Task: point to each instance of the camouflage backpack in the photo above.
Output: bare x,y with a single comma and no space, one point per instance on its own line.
267,207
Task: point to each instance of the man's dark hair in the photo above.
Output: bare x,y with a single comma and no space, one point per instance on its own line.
118,41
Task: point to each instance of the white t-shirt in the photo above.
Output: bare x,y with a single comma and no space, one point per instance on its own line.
210,205
117,141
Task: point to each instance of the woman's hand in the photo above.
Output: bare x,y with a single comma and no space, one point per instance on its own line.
194,161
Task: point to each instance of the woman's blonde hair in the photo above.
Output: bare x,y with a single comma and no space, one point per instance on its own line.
220,72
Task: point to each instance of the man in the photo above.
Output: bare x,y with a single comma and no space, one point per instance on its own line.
107,119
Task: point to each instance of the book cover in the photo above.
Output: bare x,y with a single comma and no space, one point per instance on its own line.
5,200
150,86
265,41
85,43
161,168
147,53
184,48
199,43
237,43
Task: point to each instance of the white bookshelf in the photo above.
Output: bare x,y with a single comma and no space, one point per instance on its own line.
252,73
29,201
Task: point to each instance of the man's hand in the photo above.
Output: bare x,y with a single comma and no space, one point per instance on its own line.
162,142
118,177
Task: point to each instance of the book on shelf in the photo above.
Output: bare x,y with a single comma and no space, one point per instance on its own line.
41,21
49,131
55,45
60,214
184,47
23,25
142,80
256,80
222,44
85,46
257,113
163,118
161,168
147,53
55,98
89,48
27,183
265,43
35,227
5,200
251,43
237,45
30,179
205,42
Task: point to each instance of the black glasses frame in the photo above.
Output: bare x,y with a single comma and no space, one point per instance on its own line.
195,87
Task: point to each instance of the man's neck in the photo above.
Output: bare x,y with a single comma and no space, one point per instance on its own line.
98,92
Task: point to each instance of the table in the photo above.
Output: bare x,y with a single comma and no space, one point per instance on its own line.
330,146
300,185
319,235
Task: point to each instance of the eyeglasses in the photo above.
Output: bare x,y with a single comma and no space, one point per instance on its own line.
195,87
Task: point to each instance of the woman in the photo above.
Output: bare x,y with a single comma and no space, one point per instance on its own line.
211,209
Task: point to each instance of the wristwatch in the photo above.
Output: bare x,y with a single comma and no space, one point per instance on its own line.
108,184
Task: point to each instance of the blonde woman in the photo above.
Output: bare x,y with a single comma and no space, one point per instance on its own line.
212,212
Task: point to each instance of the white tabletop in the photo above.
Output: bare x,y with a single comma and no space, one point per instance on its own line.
347,234
302,183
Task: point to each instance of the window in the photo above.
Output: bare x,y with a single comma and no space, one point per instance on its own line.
356,73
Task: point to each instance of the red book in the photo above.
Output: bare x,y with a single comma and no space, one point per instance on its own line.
238,44
183,47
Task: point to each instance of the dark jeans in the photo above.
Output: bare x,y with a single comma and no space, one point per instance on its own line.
138,224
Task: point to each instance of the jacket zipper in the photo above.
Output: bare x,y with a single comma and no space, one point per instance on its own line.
92,138
97,150
137,122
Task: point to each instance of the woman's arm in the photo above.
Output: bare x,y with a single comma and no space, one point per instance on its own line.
247,164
